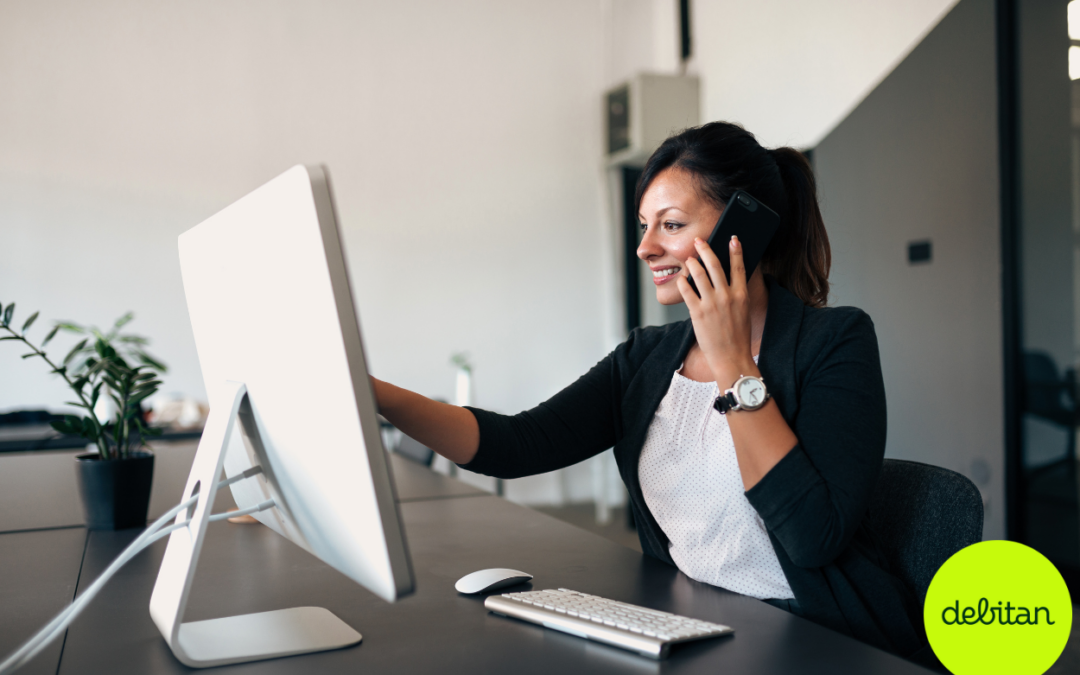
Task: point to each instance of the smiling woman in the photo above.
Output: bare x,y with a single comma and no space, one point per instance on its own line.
750,437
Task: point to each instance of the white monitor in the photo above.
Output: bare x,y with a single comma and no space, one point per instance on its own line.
279,344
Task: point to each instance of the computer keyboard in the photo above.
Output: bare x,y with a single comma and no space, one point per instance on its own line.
646,631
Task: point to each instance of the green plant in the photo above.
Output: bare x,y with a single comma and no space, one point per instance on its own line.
461,360
94,367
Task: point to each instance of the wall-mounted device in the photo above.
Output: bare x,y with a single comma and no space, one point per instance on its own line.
291,407
641,113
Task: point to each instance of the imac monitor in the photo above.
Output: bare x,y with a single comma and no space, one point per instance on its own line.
282,359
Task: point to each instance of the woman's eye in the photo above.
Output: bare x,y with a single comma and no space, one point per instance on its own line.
668,226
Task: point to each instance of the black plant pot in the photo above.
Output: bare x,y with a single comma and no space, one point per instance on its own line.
115,492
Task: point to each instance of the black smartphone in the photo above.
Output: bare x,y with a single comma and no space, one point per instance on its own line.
752,222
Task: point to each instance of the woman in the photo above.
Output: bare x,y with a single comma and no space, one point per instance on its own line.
767,501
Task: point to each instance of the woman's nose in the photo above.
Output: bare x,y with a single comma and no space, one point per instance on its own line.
648,246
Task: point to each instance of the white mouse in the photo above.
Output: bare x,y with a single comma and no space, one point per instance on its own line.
489,580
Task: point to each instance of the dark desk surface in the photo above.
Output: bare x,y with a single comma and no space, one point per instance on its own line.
38,575
38,490
452,530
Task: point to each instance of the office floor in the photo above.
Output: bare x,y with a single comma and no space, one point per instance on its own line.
584,516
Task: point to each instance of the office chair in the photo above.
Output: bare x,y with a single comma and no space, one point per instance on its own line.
400,444
410,448
1053,398
922,515
1047,394
414,450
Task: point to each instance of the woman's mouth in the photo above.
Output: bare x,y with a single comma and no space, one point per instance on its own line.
663,276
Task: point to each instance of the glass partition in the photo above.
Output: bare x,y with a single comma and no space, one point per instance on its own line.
1047,236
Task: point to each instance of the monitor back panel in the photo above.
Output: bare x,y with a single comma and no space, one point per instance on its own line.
270,305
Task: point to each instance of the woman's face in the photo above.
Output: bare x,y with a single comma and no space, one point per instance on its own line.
673,213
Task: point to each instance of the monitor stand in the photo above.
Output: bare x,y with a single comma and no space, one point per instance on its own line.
232,639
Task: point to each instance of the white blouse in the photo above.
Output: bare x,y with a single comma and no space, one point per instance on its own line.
691,482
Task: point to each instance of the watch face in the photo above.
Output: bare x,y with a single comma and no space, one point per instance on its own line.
751,393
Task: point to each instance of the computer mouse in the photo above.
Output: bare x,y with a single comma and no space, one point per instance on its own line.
489,580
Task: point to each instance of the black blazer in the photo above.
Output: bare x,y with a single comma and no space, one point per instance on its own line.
823,369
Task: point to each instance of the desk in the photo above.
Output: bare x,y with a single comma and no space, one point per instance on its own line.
38,576
24,437
451,529
38,489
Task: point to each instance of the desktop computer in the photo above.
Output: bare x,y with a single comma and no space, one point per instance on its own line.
292,422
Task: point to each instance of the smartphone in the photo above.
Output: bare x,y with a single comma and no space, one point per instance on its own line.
752,222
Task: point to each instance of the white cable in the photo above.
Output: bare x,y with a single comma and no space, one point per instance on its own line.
262,506
253,471
35,644
154,532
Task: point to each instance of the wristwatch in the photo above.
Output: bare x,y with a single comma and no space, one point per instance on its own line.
748,393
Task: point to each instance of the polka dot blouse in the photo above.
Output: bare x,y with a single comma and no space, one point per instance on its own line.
691,483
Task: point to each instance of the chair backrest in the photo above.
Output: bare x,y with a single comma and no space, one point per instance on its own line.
414,450
1044,389
923,514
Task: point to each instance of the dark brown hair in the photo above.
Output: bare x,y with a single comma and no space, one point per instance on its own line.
723,158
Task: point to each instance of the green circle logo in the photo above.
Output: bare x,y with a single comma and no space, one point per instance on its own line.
998,607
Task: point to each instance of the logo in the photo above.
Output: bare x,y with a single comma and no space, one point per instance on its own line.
998,607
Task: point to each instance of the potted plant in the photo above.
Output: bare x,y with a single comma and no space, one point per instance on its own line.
114,482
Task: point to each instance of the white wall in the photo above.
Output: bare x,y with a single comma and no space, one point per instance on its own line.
791,70
465,169
463,144
788,70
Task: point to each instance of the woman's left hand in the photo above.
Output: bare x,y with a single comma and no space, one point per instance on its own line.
721,316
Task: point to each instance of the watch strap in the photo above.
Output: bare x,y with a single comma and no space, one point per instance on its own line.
726,402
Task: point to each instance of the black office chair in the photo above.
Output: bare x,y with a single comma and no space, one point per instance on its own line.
1053,398
415,450
421,454
923,514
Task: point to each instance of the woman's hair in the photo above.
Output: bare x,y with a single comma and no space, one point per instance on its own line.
723,157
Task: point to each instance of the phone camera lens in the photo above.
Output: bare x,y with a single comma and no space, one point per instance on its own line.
744,199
